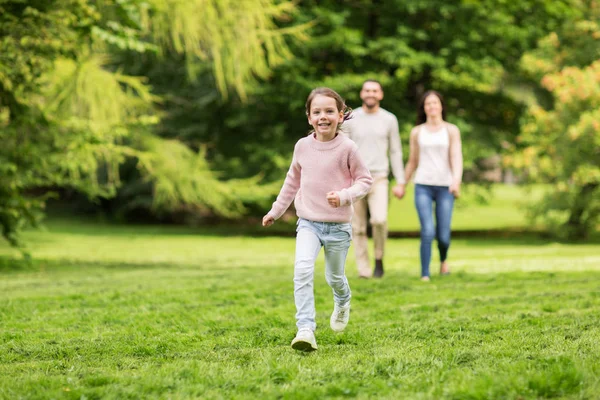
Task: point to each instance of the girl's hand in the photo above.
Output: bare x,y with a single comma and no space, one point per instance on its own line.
333,198
455,190
268,220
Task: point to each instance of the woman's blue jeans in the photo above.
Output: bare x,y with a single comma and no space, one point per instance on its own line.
425,196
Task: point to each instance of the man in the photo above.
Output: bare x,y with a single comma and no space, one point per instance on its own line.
375,131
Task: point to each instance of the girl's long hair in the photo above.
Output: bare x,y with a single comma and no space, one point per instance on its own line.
339,102
421,116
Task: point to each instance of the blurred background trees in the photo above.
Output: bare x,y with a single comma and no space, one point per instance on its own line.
560,143
188,110
73,116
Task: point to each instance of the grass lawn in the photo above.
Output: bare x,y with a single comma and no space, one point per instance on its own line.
144,312
504,209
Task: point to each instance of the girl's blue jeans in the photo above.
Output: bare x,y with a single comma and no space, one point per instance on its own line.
311,236
425,196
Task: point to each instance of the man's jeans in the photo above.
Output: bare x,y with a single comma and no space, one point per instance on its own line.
311,236
425,195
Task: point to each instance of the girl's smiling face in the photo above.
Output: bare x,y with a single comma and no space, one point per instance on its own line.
324,116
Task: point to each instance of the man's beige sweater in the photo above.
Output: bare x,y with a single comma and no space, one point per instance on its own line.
378,141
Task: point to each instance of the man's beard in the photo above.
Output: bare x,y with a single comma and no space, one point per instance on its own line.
370,105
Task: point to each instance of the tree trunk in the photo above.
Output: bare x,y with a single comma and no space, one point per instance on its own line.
577,224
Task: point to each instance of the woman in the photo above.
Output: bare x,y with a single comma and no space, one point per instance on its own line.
436,154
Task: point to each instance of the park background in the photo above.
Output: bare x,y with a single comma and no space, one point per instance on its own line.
143,141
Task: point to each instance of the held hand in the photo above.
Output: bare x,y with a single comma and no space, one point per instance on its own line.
333,198
399,191
455,190
268,220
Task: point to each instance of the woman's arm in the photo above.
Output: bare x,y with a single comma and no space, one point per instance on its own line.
456,159
413,157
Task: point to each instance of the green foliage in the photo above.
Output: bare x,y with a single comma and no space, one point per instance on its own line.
16,211
467,50
38,157
561,144
85,90
196,191
70,118
255,138
214,30
122,26
32,35
65,129
102,95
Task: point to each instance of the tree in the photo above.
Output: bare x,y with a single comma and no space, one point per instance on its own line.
560,143
33,34
226,46
469,50
239,38
69,118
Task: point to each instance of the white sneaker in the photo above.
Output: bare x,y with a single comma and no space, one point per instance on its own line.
304,340
340,317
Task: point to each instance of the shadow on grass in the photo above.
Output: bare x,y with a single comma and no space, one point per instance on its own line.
16,264
284,229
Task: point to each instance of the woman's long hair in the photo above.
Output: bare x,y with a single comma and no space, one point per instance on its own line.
421,116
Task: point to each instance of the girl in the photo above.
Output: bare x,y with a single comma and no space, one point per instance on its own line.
436,153
326,176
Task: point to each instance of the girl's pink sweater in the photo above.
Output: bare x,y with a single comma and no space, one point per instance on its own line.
317,169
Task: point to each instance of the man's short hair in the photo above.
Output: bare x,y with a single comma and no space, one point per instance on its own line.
373,80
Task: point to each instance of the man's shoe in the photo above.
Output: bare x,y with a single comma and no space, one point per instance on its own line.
304,340
340,317
378,273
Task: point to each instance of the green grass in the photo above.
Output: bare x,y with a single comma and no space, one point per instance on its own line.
130,312
504,209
